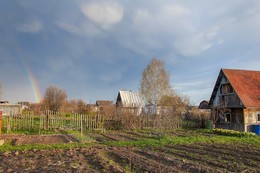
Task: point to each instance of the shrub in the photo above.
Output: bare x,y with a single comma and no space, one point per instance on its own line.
113,125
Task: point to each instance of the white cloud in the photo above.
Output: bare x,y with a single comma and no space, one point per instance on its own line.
193,45
105,14
170,18
32,27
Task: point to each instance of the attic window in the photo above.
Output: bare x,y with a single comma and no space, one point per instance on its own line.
226,89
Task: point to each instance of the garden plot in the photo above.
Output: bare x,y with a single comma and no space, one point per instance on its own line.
38,139
124,152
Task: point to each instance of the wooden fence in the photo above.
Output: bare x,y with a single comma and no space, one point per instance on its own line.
52,120
49,120
18,122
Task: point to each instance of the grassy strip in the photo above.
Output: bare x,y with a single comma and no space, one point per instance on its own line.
233,133
171,140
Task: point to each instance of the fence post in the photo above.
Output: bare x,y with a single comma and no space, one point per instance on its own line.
81,125
0,124
1,140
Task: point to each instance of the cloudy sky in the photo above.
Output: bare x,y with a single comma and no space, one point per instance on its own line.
93,48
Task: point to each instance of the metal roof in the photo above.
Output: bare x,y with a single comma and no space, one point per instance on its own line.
130,99
246,84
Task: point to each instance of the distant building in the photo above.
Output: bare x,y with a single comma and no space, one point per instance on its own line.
204,105
4,102
102,106
129,101
92,108
25,105
102,103
8,109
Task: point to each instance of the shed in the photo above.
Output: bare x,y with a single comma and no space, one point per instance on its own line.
129,101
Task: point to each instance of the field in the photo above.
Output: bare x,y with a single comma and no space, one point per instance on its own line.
131,151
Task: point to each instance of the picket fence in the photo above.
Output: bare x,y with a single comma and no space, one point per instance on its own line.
53,120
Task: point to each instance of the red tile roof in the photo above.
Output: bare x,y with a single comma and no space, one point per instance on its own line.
246,84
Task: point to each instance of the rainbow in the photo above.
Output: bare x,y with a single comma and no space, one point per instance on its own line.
35,87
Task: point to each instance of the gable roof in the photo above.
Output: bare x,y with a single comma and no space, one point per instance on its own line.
246,84
129,99
204,104
104,103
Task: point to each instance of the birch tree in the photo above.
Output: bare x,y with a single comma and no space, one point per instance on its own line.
155,82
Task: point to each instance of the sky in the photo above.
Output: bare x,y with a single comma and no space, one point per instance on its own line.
94,48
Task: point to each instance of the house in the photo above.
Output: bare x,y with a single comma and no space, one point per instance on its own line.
104,103
129,101
25,105
203,105
235,99
8,109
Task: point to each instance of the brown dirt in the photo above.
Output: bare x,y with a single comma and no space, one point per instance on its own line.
39,139
199,157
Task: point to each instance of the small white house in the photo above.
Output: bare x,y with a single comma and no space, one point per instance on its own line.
8,109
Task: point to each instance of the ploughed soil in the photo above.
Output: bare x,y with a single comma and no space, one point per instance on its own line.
38,139
198,157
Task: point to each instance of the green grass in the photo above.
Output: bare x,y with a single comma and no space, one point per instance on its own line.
233,133
189,137
199,138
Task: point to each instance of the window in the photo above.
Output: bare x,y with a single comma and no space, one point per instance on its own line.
258,117
226,89
227,117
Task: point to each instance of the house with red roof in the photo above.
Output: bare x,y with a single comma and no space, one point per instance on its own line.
235,100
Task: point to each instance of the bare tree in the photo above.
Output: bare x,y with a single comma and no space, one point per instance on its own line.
218,111
170,109
54,98
155,82
76,106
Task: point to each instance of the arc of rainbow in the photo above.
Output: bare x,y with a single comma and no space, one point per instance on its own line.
35,87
